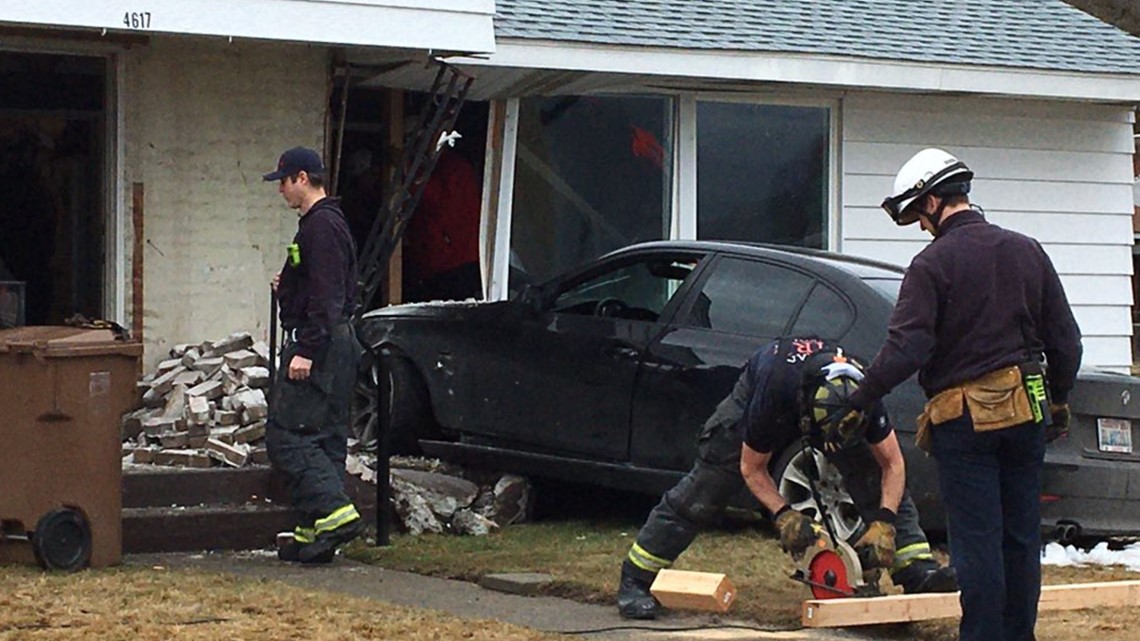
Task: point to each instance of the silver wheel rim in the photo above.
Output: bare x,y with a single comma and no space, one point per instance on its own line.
365,418
795,487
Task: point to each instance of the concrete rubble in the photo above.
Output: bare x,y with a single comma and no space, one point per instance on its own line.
205,406
430,496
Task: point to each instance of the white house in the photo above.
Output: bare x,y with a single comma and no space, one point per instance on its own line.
606,122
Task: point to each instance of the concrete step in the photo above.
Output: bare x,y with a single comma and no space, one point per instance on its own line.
179,510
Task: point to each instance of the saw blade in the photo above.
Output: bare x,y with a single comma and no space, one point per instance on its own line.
828,575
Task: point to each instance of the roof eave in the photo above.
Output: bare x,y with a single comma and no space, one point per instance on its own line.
831,71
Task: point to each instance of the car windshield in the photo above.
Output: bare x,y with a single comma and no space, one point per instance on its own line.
888,287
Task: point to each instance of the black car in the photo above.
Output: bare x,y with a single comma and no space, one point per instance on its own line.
605,375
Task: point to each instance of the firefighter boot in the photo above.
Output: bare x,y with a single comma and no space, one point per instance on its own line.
634,600
289,546
341,526
919,578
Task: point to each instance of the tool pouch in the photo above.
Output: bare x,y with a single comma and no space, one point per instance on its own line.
998,400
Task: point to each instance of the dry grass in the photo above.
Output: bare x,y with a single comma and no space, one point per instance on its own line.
584,557
140,604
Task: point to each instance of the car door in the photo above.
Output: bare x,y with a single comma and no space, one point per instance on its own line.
737,306
568,383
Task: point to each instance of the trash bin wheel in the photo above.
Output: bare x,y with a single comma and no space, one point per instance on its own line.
62,540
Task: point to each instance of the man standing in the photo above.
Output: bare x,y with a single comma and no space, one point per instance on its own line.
307,432
977,310
774,395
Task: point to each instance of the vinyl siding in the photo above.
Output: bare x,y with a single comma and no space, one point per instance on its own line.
1059,172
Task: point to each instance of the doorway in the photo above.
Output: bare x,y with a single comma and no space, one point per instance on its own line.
53,141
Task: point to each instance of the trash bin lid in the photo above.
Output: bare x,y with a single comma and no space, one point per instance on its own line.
62,341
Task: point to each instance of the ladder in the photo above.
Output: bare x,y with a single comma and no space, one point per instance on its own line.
448,92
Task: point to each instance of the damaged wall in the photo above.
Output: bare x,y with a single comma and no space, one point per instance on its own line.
202,121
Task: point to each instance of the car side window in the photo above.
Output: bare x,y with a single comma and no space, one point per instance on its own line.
749,297
825,314
635,291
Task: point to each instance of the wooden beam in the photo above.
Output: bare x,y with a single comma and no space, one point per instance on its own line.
684,590
830,613
138,226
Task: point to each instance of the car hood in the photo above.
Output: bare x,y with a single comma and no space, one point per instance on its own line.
440,309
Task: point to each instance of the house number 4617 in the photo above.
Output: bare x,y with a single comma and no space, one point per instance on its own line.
137,19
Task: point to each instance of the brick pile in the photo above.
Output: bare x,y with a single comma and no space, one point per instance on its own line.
205,406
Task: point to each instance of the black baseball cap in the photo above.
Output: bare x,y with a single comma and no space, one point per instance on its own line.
296,160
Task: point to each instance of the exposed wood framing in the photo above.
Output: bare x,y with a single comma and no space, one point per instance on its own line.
138,224
395,293
920,607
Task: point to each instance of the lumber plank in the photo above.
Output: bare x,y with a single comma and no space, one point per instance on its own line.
899,608
685,590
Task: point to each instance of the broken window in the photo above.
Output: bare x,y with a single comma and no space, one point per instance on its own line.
52,164
592,174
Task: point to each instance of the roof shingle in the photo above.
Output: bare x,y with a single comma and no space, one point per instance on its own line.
1035,34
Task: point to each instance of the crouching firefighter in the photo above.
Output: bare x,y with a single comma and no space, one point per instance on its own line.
791,385
307,430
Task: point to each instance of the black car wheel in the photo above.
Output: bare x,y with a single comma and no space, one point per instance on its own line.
62,541
404,406
792,473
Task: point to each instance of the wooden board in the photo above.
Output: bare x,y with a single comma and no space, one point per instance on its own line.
683,590
920,607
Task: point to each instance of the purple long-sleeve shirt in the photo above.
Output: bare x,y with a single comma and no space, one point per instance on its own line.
319,291
977,299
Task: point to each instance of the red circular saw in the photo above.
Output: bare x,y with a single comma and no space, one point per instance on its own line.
832,571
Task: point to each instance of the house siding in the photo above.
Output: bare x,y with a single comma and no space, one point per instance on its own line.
202,121
1059,172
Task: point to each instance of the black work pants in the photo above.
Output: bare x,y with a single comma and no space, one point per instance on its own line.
307,432
991,485
699,498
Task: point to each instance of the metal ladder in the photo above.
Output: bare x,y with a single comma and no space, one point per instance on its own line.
448,92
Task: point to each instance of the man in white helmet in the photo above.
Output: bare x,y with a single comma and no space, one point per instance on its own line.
980,314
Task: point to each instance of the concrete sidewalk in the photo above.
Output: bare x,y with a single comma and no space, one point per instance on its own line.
467,600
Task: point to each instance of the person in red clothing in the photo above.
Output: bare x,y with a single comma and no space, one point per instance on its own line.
441,244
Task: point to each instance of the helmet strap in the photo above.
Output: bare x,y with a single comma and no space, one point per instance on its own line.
934,219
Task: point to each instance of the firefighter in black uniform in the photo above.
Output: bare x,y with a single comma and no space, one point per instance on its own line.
307,432
981,312
781,387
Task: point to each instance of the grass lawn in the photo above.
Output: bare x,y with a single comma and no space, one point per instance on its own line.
584,556
147,604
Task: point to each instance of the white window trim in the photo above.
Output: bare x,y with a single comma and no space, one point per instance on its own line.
683,203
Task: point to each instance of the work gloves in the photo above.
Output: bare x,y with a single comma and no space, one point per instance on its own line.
876,548
846,431
798,531
1059,427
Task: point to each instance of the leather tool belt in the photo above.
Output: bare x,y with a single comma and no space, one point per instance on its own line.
1003,398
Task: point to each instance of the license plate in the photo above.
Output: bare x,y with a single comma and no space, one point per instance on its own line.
1114,435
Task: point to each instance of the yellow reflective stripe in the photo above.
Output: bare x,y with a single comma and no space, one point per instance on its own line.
304,534
339,517
911,553
646,561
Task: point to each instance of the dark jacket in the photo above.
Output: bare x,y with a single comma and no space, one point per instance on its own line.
977,299
318,292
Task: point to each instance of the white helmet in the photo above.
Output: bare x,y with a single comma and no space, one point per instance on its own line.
928,171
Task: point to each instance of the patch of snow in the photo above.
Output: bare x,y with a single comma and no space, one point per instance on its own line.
1056,554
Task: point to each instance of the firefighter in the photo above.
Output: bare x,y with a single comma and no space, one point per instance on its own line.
980,312
307,431
774,405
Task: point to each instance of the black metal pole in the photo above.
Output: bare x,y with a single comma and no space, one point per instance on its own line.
383,470
272,335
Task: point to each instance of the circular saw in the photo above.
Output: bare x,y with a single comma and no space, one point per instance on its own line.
832,570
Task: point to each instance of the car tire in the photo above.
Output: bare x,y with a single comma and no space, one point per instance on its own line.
405,406
791,474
